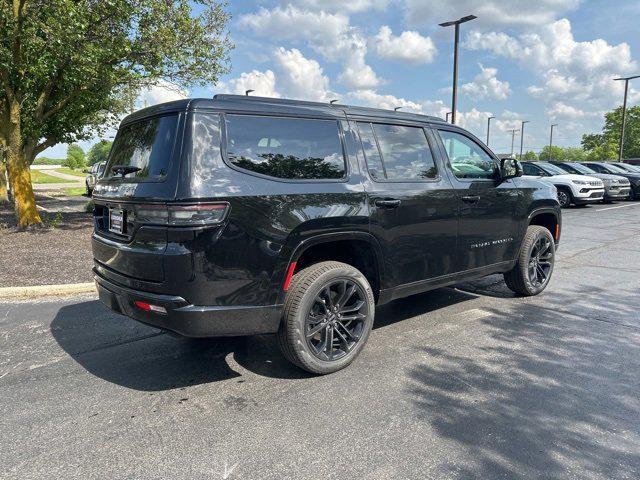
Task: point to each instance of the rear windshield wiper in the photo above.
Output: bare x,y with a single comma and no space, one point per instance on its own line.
124,169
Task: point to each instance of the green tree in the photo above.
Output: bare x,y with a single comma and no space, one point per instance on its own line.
605,145
69,69
75,157
554,153
99,152
530,156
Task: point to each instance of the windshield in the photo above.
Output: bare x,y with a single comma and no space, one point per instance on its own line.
147,145
551,169
614,169
629,168
582,169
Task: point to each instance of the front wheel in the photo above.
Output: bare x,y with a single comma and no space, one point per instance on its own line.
328,315
564,197
534,266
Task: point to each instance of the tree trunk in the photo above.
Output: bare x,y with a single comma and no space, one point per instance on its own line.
4,194
19,172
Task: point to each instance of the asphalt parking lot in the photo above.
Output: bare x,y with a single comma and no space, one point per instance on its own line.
463,382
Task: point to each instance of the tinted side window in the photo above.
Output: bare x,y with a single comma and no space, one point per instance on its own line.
597,168
405,152
528,169
292,148
467,158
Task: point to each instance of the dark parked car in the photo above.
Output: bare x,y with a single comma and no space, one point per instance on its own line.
242,215
608,167
628,167
615,186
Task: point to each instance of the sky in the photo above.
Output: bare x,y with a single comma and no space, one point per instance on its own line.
548,61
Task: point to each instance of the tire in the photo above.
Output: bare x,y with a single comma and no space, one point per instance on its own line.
311,290
520,279
564,197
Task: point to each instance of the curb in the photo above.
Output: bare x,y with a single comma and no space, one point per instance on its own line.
46,290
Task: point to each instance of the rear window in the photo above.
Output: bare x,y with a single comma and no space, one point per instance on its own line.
288,148
147,145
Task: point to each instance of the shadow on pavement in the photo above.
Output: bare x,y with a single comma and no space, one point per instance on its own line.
125,352
548,390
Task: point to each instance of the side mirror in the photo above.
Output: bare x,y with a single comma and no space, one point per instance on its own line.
85,171
510,168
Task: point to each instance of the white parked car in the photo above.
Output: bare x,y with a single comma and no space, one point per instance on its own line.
572,189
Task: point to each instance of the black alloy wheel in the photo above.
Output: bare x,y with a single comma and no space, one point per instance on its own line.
335,321
540,262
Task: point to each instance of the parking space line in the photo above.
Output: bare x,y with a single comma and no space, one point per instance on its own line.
618,206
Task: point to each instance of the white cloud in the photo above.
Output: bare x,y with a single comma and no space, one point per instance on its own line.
264,84
575,77
342,5
489,12
371,98
487,85
294,76
299,77
292,23
409,46
562,110
329,34
161,92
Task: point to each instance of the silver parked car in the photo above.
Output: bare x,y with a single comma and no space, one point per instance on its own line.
93,174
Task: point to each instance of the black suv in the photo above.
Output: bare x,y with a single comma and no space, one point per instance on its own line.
243,215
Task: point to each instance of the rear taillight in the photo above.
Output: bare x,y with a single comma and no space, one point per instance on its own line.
193,215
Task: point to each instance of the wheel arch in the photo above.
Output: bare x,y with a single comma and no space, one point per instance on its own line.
548,218
358,249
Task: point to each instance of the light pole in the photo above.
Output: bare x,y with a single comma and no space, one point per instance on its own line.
488,127
624,112
551,139
456,24
522,136
513,137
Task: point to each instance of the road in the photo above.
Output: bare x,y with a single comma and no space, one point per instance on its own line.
464,382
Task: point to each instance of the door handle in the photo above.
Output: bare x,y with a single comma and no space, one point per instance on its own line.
387,202
471,198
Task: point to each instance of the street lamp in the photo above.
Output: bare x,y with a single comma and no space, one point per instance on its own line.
247,92
551,139
522,136
513,136
488,127
624,112
454,97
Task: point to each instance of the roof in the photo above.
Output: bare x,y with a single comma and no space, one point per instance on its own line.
243,103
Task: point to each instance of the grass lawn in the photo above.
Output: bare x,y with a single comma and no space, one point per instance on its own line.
39,177
74,191
68,171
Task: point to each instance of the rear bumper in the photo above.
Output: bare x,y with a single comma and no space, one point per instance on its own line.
189,320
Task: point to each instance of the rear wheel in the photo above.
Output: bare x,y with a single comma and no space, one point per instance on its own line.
534,267
328,315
